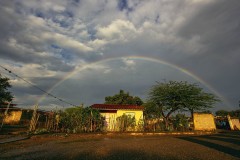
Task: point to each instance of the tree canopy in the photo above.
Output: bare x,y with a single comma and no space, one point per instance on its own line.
151,110
175,96
234,113
221,113
123,98
5,95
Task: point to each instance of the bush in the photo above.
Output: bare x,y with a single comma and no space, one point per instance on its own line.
126,123
180,122
41,131
79,119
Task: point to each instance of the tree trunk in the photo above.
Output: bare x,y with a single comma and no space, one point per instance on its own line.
167,118
191,110
166,123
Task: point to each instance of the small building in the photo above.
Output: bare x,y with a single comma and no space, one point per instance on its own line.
10,114
111,114
234,122
13,117
204,122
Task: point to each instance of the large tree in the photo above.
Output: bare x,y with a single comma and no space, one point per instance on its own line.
5,95
123,98
235,113
175,96
151,110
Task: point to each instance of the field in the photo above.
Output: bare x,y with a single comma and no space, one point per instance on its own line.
124,146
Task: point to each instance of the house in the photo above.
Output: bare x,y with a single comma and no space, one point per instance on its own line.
111,112
10,114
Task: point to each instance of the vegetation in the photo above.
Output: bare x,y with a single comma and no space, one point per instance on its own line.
123,98
151,110
221,113
126,122
180,122
5,95
174,96
81,119
234,113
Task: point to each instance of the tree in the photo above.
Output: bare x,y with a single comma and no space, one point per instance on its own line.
152,117
180,122
151,110
207,112
5,95
123,98
221,113
175,96
235,113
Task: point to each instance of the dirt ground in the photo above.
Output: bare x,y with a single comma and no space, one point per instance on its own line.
218,146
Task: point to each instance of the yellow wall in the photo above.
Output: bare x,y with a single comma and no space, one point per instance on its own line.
13,117
138,114
234,123
111,118
204,122
110,121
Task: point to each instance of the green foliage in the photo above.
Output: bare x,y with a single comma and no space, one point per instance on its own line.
206,111
221,113
126,122
41,131
5,95
180,122
151,110
81,119
175,96
140,125
123,98
234,113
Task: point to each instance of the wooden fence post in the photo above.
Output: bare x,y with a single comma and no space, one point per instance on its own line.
34,120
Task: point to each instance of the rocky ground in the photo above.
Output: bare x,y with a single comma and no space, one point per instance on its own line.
217,146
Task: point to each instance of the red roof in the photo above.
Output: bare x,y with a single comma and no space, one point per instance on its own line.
116,107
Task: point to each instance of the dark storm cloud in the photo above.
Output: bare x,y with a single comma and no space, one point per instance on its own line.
30,94
218,29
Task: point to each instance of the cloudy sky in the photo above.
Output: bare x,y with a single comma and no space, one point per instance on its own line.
84,50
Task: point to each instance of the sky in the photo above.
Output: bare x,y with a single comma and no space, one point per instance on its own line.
84,50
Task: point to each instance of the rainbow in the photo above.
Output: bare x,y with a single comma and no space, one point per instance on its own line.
160,61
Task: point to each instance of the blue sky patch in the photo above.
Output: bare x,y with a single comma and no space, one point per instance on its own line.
122,4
